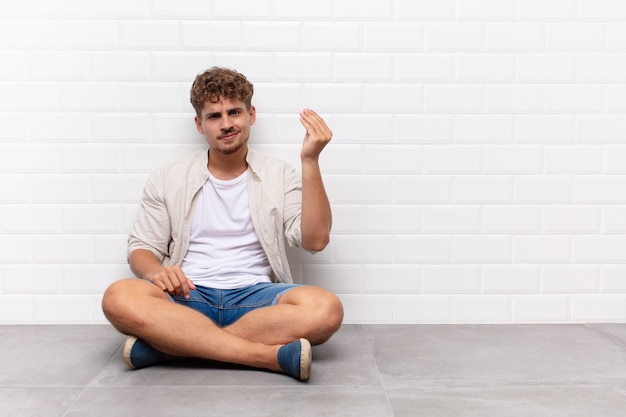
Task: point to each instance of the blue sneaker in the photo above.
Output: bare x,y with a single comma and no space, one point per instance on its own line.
295,359
138,354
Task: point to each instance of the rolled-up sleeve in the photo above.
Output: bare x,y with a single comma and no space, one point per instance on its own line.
152,230
292,209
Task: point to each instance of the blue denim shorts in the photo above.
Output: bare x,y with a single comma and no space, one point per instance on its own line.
225,307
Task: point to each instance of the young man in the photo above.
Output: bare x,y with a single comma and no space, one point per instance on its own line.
208,247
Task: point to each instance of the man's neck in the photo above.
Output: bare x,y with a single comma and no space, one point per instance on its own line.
228,166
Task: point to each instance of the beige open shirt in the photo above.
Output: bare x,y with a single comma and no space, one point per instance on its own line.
275,196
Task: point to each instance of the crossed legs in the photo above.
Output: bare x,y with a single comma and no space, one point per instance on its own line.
138,308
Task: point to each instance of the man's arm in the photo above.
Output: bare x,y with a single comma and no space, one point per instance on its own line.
146,265
316,213
153,220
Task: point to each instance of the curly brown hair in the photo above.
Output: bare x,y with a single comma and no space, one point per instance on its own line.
216,83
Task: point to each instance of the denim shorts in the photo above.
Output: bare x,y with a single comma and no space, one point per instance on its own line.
225,307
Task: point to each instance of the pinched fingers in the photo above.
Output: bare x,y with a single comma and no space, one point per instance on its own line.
315,126
318,134
172,280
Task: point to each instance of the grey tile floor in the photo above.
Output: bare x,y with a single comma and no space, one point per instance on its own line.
364,370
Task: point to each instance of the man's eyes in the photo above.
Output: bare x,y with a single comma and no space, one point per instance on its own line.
218,115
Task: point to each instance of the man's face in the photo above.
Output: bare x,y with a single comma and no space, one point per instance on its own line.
226,124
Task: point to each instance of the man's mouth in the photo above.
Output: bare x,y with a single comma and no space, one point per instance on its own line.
228,136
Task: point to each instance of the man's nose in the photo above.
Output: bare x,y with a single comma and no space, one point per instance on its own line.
227,123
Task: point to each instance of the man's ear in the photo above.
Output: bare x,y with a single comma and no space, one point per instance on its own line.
252,115
198,124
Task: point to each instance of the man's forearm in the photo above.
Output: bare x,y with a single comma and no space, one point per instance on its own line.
144,263
316,211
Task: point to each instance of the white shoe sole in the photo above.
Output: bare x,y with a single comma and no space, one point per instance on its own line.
128,346
306,357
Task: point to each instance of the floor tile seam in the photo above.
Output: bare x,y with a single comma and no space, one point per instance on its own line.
363,332
72,403
42,386
521,383
610,337
238,387
108,359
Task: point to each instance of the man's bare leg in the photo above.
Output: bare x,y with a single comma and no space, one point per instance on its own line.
141,309
303,312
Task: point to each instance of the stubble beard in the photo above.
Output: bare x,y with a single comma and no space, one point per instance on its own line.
232,148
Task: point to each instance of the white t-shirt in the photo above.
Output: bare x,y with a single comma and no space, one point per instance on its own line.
224,249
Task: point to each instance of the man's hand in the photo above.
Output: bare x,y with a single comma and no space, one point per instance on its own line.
173,280
317,135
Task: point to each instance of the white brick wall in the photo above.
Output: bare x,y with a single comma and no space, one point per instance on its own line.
477,170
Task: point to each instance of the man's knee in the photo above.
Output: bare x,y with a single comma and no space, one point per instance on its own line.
120,301
113,300
333,311
327,314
